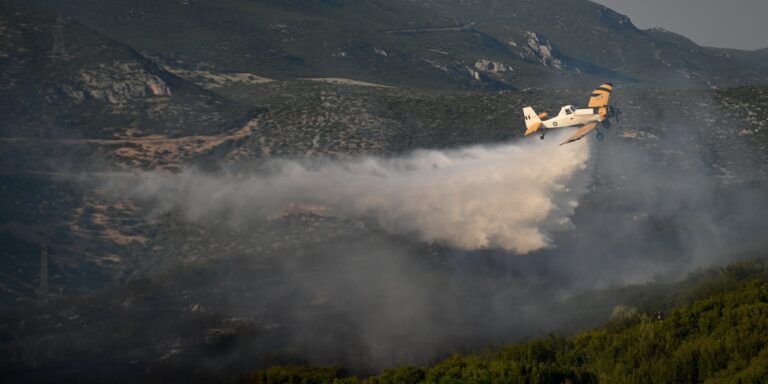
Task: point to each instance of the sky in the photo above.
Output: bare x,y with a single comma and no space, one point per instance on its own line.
714,23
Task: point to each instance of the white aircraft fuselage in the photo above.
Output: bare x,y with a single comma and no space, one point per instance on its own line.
569,116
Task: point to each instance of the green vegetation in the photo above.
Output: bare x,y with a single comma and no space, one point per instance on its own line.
721,337
300,374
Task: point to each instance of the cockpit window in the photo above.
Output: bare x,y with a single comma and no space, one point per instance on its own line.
573,108
568,112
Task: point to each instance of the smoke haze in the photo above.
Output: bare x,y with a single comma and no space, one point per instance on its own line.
503,196
587,215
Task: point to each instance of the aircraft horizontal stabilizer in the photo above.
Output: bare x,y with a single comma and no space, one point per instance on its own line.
533,128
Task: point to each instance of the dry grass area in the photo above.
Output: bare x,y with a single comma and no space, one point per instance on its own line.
212,80
154,151
100,219
640,135
120,238
343,81
159,151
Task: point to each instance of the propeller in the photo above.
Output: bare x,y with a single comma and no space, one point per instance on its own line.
615,113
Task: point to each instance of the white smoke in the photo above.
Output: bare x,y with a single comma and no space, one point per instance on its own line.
504,196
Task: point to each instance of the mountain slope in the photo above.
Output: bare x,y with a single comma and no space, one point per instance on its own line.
414,43
596,34
61,80
75,103
67,93
131,289
295,38
720,338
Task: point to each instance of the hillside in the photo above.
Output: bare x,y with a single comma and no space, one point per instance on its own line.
70,95
446,44
719,337
713,328
143,145
119,246
73,102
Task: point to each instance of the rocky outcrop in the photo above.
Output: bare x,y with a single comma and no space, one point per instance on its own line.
474,73
119,83
541,48
492,66
61,80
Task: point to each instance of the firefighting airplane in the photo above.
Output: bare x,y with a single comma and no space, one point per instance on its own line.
598,111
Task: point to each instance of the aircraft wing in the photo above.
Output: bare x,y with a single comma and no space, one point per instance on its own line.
581,132
600,96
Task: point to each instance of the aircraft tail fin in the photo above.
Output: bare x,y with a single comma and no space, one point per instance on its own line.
532,121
